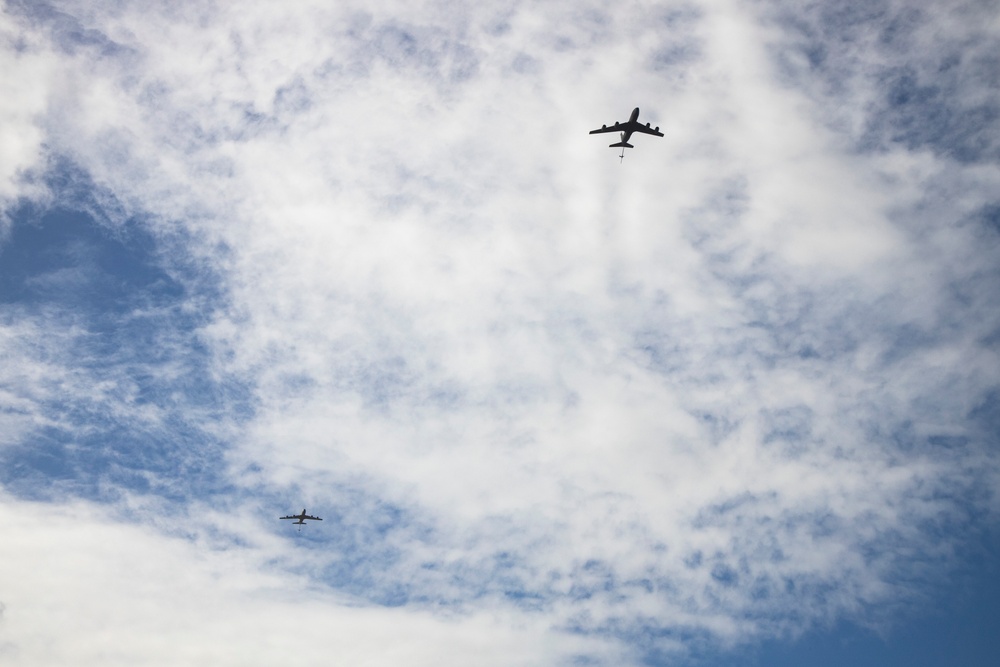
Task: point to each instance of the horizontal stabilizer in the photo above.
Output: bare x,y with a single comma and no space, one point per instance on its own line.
621,144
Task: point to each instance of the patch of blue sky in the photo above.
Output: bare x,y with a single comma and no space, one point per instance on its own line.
681,45
68,33
360,547
934,89
655,645
785,318
501,575
810,327
958,628
934,115
432,52
792,423
989,217
122,313
385,381
986,415
776,323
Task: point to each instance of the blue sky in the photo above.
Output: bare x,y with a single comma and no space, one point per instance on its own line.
733,401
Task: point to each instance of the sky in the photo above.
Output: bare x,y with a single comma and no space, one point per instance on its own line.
732,401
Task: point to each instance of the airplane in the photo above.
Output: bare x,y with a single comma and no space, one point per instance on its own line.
302,518
626,129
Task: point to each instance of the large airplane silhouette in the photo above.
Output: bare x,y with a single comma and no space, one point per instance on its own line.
302,518
626,129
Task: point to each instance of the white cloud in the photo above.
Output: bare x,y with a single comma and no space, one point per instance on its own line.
22,102
667,393
81,588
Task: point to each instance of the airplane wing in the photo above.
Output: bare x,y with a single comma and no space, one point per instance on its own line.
645,129
314,518
617,127
288,517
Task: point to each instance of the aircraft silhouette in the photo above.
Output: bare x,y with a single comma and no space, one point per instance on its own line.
626,129
302,518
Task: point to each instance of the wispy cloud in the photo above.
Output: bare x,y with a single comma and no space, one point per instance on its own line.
367,260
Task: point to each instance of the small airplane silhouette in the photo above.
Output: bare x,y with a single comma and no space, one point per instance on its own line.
626,129
302,518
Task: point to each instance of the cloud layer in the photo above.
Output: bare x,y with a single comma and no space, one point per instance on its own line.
367,260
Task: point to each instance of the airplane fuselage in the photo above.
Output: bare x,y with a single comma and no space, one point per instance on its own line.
631,119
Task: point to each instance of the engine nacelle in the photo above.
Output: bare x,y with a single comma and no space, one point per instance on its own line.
604,127
647,124
657,128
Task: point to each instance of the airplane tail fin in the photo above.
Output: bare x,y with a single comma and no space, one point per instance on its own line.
621,144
